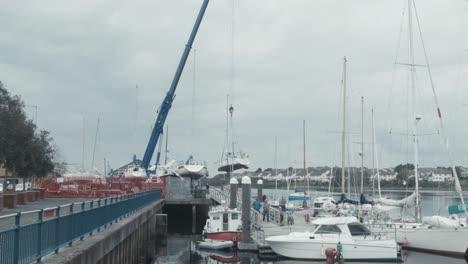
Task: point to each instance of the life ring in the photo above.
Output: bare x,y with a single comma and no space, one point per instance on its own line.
379,217
234,239
307,218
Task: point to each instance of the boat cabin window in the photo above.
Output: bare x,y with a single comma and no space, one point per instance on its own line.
328,229
358,229
215,217
225,218
318,205
234,216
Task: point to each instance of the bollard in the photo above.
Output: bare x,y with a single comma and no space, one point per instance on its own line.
246,188
259,189
233,198
40,219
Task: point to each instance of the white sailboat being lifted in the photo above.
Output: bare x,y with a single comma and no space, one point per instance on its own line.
231,159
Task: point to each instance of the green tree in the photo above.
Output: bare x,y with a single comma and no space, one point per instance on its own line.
24,151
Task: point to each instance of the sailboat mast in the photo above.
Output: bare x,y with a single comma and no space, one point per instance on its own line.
415,117
95,143
362,144
83,150
374,156
343,134
276,157
305,165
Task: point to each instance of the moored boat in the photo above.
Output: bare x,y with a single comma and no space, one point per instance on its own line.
353,237
223,224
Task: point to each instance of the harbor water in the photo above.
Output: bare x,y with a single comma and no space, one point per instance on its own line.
180,247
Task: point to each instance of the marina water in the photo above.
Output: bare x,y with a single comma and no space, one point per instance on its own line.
180,247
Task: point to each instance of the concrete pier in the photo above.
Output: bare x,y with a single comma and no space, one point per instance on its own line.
123,242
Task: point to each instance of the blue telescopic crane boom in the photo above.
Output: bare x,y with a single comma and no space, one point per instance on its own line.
167,102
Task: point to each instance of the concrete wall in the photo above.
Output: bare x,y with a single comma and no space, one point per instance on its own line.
130,240
178,188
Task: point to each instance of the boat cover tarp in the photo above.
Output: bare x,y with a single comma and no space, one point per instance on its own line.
440,221
363,200
344,199
407,202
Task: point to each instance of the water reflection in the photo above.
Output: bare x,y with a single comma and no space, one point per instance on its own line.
176,249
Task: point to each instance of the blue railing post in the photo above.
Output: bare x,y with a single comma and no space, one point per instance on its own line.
57,229
91,206
99,205
17,233
40,217
105,210
82,210
72,226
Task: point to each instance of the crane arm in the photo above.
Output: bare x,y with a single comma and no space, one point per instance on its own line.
167,102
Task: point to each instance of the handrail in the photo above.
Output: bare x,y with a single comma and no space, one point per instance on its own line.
218,195
26,243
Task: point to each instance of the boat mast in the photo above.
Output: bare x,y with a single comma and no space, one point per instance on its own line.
343,135
416,118
374,156
231,111
441,122
83,150
305,165
362,144
276,158
95,142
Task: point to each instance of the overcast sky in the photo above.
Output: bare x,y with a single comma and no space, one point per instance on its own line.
82,60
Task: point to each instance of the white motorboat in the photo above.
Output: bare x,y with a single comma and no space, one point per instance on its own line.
223,224
355,238
321,200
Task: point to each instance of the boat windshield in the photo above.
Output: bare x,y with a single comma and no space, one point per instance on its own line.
328,229
358,229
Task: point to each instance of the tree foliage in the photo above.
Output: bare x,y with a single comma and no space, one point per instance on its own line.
24,150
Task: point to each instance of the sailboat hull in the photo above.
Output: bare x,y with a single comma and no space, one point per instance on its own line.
196,171
440,241
233,167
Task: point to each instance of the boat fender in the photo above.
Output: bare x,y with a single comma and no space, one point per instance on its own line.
330,255
307,218
405,242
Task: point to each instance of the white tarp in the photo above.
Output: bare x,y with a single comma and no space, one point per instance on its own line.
408,202
440,221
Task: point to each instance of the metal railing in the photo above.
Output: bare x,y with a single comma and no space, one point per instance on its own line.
223,194
28,238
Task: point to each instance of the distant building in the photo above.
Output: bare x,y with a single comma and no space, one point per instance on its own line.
463,173
387,174
441,175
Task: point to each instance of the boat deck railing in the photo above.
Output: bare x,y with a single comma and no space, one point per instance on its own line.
222,195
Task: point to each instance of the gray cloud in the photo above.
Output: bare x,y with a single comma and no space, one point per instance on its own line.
84,59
